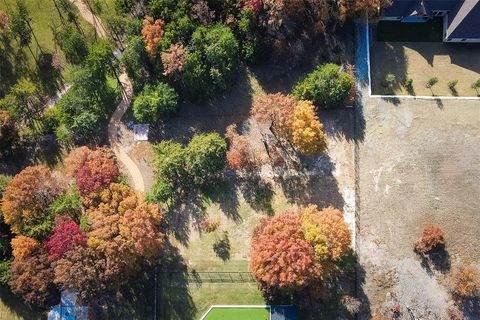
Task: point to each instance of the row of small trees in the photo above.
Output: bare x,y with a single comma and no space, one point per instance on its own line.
81,229
390,80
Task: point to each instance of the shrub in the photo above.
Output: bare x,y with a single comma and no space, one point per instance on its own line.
464,282
327,86
432,237
390,80
476,84
205,156
408,83
452,84
209,225
155,102
431,82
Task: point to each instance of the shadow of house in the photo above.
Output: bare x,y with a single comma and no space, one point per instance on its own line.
387,58
16,306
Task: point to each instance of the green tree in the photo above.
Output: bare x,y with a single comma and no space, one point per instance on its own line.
23,102
205,157
327,86
135,60
155,102
73,45
213,64
169,167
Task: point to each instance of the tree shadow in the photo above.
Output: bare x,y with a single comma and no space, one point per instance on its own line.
471,308
393,100
216,114
257,193
180,215
173,296
316,185
437,259
387,58
281,74
340,123
16,306
222,247
223,192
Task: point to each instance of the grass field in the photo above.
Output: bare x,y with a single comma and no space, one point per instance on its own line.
218,313
44,17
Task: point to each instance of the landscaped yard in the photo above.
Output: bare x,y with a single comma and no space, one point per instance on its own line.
421,61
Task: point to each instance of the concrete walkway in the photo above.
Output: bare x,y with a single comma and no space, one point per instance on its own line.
115,123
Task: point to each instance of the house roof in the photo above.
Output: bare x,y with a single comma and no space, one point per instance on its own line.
464,21
418,9
463,16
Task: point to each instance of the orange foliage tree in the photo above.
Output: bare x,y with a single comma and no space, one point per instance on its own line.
122,226
464,282
281,258
328,234
152,33
307,131
23,246
27,198
276,111
76,159
294,250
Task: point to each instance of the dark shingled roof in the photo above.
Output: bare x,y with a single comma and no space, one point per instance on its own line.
464,21
463,17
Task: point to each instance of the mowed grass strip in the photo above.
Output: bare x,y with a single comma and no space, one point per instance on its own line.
218,313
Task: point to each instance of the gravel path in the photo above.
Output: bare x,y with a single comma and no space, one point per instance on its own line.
115,124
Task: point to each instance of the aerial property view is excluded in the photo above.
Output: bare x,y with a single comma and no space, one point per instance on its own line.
240,159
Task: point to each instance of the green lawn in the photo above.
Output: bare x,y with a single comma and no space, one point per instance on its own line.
396,31
238,314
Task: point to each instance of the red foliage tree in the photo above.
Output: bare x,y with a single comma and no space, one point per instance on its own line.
63,238
32,279
238,155
281,258
98,171
432,237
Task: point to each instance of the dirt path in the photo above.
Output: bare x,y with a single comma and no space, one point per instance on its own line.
115,124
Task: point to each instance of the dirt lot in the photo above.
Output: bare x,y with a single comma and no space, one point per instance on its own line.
419,163
421,61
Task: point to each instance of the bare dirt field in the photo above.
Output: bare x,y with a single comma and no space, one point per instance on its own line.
421,61
418,164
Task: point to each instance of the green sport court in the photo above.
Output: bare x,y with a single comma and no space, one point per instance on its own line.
228,312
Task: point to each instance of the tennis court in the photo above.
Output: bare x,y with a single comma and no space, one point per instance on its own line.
239,312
